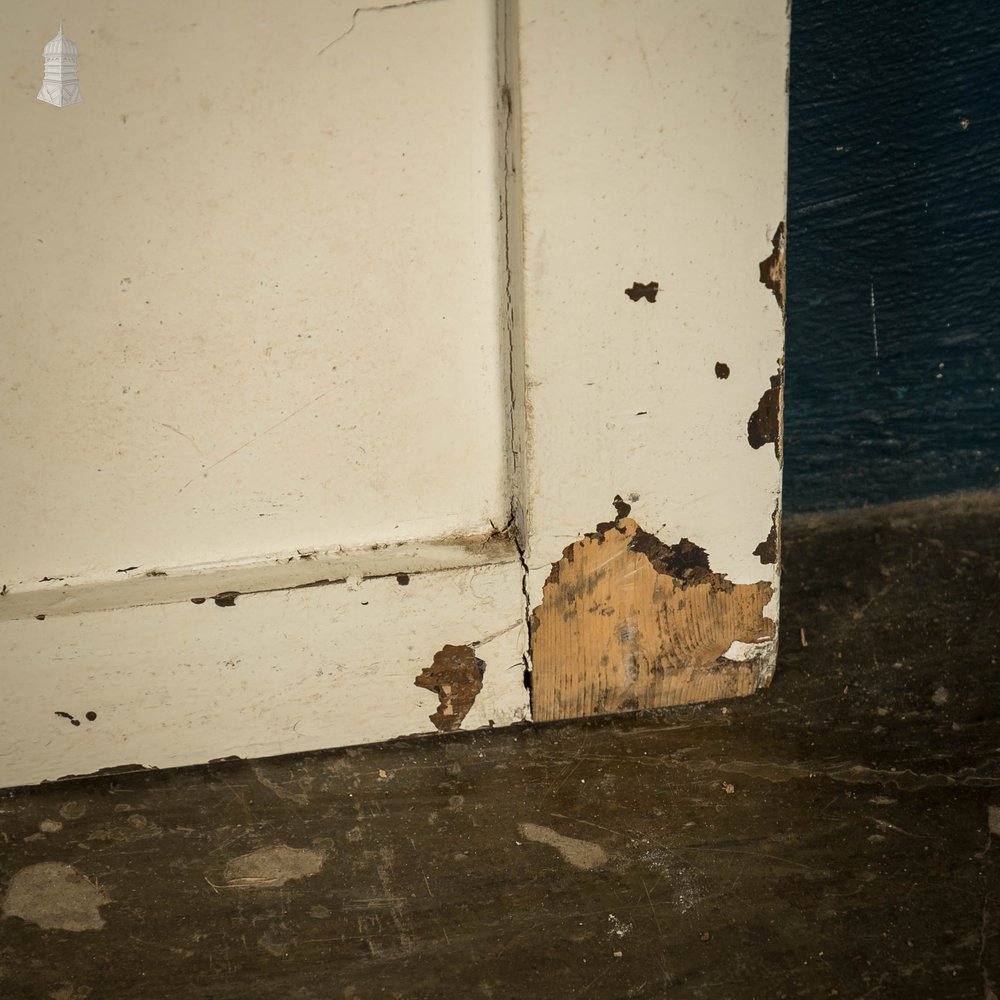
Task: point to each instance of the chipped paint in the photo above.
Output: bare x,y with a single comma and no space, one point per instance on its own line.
629,622
764,425
456,677
640,291
318,666
251,486
767,551
772,268
621,395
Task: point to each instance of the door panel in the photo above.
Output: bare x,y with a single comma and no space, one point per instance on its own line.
398,417
252,284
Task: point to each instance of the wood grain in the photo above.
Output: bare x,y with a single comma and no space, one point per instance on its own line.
627,622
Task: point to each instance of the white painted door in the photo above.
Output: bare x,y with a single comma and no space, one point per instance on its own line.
328,329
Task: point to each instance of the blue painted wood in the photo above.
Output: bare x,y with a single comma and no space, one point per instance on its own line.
894,189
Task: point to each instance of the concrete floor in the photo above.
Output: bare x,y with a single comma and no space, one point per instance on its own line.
828,838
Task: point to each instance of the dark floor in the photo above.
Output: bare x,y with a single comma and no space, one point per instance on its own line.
828,838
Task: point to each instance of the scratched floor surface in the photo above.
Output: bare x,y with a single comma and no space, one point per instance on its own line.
830,837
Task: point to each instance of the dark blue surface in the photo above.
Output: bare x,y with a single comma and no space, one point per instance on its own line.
894,182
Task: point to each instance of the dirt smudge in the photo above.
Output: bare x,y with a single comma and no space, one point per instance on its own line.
582,854
55,896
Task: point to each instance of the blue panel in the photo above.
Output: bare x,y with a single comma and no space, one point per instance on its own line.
894,186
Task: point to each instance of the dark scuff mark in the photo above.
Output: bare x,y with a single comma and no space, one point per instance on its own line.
66,715
767,551
640,291
772,268
198,600
155,572
106,771
403,579
456,677
721,369
226,599
3,591
127,569
40,618
504,534
51,579
764,425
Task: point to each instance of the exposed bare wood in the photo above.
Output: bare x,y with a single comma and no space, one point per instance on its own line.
456,677
627,622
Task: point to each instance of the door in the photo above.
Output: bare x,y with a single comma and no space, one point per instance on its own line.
377,371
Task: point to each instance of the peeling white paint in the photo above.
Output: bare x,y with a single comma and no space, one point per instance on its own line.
357,335
654,149
177,684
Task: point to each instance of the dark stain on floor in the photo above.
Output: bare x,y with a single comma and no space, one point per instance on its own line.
830,837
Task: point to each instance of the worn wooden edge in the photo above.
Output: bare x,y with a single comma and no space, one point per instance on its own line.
136,586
